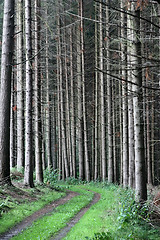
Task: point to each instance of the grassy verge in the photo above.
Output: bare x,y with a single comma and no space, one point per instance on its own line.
50,224
14,210
107,220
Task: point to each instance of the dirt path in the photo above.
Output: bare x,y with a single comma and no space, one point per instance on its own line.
63,232
28,221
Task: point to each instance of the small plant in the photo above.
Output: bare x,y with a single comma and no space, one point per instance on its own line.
51,176
17,175
5,206
101,236
131,211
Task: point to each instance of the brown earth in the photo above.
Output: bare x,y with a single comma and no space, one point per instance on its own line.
40,213
63,232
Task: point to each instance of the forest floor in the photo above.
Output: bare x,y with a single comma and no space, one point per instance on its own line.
18,194
72,213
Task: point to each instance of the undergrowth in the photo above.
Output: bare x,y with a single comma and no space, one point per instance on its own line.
18,210
49,225
116,216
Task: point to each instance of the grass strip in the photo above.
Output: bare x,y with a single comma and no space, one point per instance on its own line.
100,221
49,225
19,212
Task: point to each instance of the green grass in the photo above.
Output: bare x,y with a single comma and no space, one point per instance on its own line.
101,221
18,211
115,216
50,224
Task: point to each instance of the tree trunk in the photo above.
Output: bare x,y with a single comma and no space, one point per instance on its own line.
130,109
64,143
87,170
72,106
140,170
38,124
109,105
20,101
5,90
124,97
28,174
96,170
47,109
102,112
80,113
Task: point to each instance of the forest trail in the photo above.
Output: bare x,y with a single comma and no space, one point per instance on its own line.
48,209
63,232
40,213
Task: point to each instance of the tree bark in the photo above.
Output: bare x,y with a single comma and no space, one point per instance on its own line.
101,64
38,124
5,90
28,174
140,169
20,83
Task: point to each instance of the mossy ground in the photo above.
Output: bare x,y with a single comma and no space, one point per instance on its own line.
113,217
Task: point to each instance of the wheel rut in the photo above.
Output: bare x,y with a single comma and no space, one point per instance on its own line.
63,232
38,214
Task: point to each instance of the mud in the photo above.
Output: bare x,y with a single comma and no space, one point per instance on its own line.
40,213
63,232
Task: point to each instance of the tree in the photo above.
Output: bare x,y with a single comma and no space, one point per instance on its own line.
20,83
28,174
38,85
140,179
5,90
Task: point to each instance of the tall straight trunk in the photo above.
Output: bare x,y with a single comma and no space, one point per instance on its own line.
5,90
109,106
131,154
20,101
124,97
149,162
59,116
12,126
72,108
153,135
115,173
48,117
87,169
102,112
96,170
67,112
28,174
38,124
79,93
63,129
54,132
140,170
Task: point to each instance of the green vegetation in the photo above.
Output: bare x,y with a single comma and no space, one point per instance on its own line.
14,209
47,226
116,216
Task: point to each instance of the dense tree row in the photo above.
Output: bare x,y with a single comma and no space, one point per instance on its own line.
84,91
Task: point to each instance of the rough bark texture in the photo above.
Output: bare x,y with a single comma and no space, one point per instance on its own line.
5,91
80,114
28,175
20,104
38,124
124,97
140,174
103,144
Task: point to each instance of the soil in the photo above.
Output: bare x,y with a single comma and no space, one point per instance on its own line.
40,213
63,232
19,193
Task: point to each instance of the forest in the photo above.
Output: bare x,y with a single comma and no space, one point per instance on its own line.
80,93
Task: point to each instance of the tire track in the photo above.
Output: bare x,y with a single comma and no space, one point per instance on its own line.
63,232
38,214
